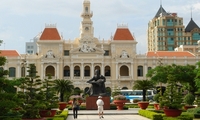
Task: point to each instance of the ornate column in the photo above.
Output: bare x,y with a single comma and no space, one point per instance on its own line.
102,69
82,71
42,71
18,70
145,70
71,71
57,70
92,69
116,72
131,70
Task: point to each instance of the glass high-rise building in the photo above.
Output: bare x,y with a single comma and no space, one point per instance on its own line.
166,32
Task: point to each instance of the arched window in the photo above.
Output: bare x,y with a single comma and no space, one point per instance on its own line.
66,71
87,71
140,71
149,68
12,72
124,88
50,71
124,71
22,71
86,9
97,68
107,71
77,71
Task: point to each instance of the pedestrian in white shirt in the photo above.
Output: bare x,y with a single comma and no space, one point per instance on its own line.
100,104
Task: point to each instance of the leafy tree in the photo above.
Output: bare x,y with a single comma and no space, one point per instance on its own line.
158,74
9,99
143,85
2,58
184,75
172,98
187,76
197,78
63,87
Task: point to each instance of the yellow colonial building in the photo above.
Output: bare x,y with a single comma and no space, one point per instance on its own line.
77,59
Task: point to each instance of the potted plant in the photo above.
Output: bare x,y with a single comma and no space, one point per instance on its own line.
189,100
156,99
172,98
143,85
119,101
63,87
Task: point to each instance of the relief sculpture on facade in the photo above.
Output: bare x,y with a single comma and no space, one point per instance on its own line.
86,47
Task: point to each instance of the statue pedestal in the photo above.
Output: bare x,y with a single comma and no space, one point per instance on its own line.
91,102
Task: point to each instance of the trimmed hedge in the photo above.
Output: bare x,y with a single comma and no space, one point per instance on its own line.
159,115
62,116
151,114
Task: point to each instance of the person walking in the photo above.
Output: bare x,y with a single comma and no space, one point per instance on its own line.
75,106
100,104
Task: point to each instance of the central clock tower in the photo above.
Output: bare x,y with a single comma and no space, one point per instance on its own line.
87,40
86,24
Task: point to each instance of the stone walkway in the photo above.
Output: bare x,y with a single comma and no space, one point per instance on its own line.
130,114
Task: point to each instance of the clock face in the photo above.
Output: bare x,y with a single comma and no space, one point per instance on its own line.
86,28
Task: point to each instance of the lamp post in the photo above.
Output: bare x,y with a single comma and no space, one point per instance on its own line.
160,64
159,59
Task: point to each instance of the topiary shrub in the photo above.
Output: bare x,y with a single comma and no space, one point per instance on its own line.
189,99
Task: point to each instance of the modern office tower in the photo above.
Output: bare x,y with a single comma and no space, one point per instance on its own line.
166,32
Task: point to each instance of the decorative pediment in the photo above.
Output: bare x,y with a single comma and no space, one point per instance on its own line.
94,50
87,44
124,54
49,54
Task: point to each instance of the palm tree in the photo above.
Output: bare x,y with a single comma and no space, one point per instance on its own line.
63,86
143,85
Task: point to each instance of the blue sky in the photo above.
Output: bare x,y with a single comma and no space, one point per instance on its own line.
22,20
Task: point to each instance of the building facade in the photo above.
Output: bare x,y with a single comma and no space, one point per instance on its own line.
167,32
77,59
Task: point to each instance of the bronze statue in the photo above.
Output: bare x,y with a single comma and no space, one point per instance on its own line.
97,85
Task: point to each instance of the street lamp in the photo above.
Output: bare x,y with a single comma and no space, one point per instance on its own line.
159,64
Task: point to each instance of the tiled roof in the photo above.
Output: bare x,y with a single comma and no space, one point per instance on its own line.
9,53
161,10
169,54
123,34
50,34
191,25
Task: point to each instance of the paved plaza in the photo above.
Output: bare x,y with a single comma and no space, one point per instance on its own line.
131,114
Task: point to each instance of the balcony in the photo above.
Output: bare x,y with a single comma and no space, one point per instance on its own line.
87,78
108,77
77,77
124,77
67,77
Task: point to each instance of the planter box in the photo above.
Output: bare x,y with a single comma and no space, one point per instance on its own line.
47,113
172,112
120,104
143,105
